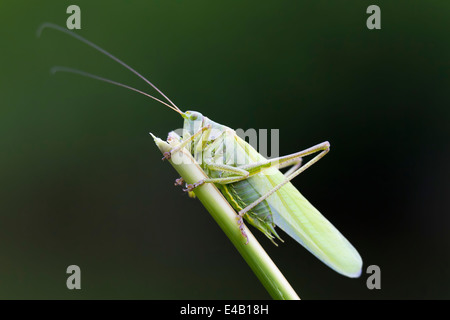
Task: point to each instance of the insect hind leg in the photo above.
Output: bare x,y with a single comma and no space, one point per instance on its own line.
323,148
297,163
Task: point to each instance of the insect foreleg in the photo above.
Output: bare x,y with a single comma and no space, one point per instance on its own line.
168,155
323,147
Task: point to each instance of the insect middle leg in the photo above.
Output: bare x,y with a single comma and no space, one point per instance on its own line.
179,181
241,174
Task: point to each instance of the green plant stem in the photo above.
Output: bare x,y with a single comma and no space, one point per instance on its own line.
258,260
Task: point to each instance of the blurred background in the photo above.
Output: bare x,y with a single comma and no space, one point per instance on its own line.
81,181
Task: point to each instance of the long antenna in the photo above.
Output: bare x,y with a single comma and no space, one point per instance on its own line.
106,53
93,76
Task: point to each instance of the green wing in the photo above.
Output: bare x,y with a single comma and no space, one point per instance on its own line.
302,221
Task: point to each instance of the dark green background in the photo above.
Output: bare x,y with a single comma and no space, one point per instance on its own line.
81,181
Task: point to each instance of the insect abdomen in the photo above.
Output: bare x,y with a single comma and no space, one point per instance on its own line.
240,195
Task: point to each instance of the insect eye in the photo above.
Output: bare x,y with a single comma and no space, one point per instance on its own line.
194,117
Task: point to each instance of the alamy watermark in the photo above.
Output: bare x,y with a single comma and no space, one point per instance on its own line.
226,146
74,280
